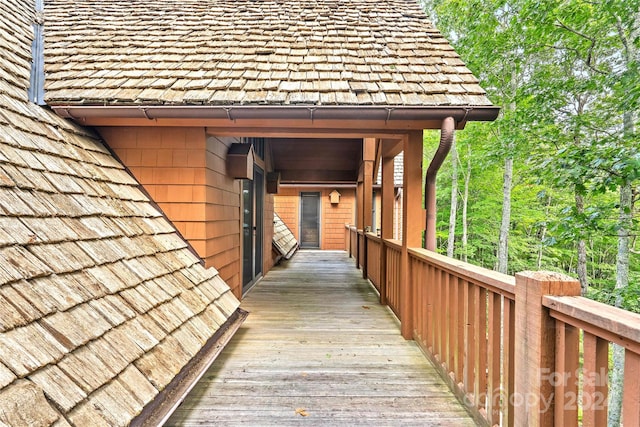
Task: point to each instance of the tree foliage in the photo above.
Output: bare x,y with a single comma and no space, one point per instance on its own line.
567,76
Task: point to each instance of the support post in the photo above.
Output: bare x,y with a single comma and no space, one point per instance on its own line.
535,338
412,220
386,220
368,158
359,203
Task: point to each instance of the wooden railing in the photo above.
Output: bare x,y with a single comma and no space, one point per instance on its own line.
523,350
600,325
393,250
457,314
374,248
362,252
352,234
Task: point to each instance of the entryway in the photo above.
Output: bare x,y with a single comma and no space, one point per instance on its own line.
252,228
310,220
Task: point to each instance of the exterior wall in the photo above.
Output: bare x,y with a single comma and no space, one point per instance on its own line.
184,171
287,206
269,255
332,217
222,214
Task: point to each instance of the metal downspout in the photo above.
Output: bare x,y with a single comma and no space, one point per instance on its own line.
446,140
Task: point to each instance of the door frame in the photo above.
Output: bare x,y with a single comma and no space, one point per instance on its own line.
256,229
318,196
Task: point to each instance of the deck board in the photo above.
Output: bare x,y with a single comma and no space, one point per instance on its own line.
317,342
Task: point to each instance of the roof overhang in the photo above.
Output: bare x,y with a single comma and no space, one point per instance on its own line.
383,118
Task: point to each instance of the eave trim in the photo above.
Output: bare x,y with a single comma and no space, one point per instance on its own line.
158,411
461,114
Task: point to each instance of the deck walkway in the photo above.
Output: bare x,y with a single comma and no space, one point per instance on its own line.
318,349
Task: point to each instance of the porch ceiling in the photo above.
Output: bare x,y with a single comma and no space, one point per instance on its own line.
316,160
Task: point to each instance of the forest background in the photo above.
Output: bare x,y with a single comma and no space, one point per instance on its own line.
554,183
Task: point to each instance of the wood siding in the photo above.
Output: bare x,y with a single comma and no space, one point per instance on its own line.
223,214
333,217
184,171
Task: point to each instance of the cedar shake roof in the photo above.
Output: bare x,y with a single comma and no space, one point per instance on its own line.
283,239
101,302
248,52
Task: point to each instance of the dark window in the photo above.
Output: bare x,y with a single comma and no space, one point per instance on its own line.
258,146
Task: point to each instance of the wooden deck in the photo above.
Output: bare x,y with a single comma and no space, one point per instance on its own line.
318,349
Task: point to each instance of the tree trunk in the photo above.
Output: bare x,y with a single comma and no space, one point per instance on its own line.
453,210
465,204
502,254
583,276
543,233
503,245
622,280
625,221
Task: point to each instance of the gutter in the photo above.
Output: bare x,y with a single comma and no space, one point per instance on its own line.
447,133
461,114
317,185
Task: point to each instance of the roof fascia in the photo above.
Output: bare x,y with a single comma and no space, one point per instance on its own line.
387,117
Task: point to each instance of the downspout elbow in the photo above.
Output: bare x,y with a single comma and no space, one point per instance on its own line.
447,131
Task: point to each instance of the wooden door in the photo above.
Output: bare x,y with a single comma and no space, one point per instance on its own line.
310,220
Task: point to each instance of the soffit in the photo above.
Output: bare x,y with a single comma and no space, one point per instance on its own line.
316,160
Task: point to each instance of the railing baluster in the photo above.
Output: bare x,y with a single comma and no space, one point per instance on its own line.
437,314
470,357
631,398
594,379
508,359
565,379
480,342
460,331
493,356
430,320
452,328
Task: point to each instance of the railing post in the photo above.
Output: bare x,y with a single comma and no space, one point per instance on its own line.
365,261
535,340
412,213
347,239
386,220
383,272
357,254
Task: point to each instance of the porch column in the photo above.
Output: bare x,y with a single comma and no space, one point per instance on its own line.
359,203
412,221
386,219
368,158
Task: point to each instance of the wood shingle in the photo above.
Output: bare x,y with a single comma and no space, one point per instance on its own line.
236,53
84,256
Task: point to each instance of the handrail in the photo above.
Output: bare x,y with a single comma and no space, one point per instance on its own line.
493,280
393,243
372,236
611,323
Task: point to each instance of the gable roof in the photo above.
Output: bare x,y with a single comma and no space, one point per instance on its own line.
101,302
247,52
